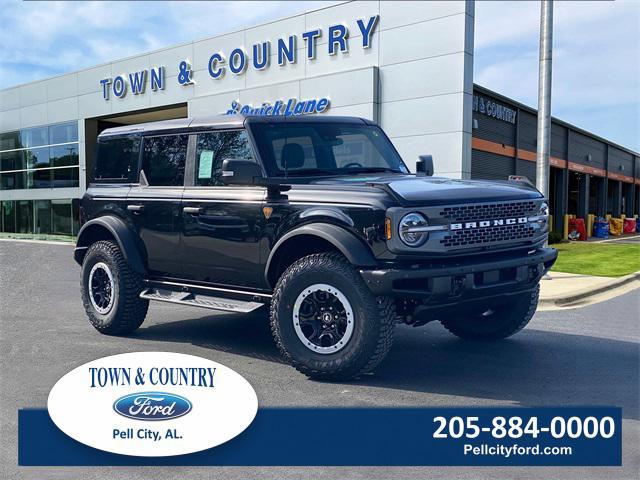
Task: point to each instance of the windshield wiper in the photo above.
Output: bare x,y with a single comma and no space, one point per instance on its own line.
339,171
371,170
311,171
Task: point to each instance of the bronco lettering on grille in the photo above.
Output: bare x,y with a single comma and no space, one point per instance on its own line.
488,223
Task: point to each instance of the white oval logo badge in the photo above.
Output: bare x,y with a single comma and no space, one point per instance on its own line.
152,404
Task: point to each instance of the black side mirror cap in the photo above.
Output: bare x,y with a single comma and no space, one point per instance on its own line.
424,166
236,171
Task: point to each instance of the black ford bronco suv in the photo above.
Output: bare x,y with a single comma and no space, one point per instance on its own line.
317,218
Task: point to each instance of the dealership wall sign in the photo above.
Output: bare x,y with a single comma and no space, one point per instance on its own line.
488,107
290,107
237,60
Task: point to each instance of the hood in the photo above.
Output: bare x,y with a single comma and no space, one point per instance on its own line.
411,190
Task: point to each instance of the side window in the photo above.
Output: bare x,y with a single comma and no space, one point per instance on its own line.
117,159
163,159
214,147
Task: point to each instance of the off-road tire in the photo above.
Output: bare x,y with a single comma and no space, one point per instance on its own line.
128,310
374,319
506,320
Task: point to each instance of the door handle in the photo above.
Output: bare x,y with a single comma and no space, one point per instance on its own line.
135,208
192,210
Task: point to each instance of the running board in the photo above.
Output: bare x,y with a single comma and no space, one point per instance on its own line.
199,300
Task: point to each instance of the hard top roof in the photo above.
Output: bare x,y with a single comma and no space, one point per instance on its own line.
224,122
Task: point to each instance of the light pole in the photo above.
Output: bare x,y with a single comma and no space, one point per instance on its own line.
544,97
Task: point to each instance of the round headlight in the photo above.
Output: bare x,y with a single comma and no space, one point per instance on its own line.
543,214
544,210
412,229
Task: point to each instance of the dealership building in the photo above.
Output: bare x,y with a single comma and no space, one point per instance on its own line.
406,65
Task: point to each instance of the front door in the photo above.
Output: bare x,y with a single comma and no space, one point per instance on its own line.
154,206
222,225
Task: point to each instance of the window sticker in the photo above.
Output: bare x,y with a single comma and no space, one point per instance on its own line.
206,164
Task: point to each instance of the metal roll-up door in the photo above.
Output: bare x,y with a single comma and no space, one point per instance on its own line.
489,166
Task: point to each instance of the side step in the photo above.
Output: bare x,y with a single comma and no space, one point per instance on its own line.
199,300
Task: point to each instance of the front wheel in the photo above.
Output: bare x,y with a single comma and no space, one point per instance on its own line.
499,322
325,320
111,290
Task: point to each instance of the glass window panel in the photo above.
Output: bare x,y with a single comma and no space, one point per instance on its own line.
117,159
38,179
164,158
34,137
12,160
10,140
63,155
61,217
63,133
12,181
9,216
42,216
24,216
7,181
37,157
214,147
65,177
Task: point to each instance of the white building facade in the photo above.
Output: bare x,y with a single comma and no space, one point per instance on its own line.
406,65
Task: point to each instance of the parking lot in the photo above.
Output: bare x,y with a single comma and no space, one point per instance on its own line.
587,356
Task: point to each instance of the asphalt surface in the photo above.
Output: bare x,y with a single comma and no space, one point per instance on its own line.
587,356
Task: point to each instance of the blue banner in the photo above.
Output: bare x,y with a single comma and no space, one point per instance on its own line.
572,436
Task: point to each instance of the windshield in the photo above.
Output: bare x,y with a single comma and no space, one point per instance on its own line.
306,149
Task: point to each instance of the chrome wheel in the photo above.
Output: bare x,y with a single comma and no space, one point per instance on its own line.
101,288
323,318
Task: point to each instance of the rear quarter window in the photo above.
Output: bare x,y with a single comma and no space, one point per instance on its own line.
117,159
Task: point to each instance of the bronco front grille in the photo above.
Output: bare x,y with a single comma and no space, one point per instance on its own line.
480,236
486,211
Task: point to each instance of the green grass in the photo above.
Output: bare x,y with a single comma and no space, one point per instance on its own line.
36,236
601,259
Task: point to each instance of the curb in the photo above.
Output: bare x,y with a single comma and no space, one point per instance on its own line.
574,297
42,242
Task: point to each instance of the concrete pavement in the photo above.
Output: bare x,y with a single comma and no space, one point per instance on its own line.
585,356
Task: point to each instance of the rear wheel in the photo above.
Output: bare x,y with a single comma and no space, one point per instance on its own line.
499,322
111,290
326,322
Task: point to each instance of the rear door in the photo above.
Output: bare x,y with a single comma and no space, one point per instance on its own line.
154,205
222,225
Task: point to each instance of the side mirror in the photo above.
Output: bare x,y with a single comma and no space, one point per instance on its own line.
237,171
424,166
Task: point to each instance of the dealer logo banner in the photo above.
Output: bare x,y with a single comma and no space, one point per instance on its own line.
152,404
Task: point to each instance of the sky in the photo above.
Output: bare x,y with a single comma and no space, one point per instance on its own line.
596,63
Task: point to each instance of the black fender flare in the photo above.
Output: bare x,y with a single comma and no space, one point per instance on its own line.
354,249
122,234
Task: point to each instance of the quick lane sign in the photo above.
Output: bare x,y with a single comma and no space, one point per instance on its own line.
238,60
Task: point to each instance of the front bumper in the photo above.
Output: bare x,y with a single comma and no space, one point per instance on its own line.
462,280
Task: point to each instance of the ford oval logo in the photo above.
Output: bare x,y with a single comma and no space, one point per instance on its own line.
152,406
